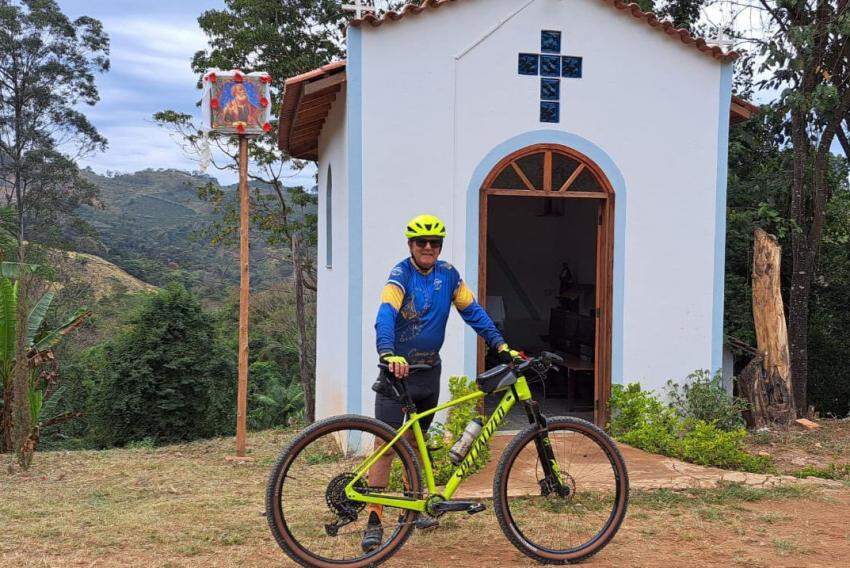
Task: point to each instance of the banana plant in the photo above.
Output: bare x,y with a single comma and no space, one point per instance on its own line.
41,385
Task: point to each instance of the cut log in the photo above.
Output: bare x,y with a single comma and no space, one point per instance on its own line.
807,424
768,389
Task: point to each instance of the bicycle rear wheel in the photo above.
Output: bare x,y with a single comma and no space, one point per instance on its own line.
306,506
561,529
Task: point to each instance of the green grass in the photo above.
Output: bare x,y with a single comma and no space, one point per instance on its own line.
726,494
832,471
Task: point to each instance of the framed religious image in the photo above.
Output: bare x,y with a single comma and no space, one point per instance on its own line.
236,102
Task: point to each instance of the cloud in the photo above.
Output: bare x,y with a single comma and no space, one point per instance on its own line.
153,52
157,36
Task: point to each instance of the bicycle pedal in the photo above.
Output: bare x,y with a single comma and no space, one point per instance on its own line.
476,508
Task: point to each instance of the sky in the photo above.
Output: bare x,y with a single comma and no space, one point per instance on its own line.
152,44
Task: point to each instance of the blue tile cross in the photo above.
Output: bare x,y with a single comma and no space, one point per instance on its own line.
551,67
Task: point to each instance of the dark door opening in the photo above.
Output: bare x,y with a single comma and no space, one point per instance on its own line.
541,291
545,272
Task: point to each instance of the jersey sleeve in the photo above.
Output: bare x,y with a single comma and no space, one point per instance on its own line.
392,297
475,316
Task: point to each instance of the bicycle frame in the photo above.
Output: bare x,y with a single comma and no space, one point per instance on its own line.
518,391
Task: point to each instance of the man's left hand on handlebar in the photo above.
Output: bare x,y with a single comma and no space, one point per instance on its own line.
508,355
397,364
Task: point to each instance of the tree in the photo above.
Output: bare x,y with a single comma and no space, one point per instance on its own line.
760,179
47,66
806,52
169,378
284,38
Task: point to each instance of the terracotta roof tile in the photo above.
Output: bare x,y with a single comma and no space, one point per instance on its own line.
633,9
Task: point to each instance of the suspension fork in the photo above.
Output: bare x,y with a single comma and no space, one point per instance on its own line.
552,480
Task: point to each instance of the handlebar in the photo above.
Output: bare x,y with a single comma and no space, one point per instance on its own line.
417,367
546,358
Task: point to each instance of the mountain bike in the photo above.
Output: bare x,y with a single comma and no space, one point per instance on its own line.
560,490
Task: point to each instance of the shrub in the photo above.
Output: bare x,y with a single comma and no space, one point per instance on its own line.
704,443
702,397
273,399
167,377
635,409
687,429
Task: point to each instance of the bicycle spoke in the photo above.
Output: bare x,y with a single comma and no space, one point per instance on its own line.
556,523
317,515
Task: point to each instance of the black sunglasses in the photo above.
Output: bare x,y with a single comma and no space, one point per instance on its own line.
435,243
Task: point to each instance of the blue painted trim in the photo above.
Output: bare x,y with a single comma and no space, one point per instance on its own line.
614,176
354,129
723,107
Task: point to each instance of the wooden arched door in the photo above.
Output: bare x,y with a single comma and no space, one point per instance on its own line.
552,171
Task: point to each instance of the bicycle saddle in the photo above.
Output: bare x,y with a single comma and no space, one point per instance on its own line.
498,378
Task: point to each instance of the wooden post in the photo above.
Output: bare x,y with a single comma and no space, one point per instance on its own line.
244,287
766,382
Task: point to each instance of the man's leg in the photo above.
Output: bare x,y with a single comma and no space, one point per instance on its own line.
389,411
379,474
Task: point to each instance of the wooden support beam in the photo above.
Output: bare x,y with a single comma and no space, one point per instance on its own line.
536,193
327,82
321,111
572,178
316,102
312,124
522,176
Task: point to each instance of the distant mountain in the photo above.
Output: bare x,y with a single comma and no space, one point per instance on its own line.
148,222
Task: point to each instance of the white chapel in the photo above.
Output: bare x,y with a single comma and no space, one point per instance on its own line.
577,152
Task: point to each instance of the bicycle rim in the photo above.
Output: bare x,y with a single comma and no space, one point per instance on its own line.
549,526
308,512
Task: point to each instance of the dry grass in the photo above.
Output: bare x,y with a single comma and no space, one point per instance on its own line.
104,277
186,506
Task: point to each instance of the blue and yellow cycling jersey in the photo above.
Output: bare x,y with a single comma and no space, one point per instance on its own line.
415,307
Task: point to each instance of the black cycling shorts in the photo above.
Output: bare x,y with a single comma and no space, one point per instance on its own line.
424,389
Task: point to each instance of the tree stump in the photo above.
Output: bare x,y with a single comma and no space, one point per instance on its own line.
766,381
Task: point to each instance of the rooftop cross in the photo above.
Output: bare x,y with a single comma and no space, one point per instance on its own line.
359,7
551,66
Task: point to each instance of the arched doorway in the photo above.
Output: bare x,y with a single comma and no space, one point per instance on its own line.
568,308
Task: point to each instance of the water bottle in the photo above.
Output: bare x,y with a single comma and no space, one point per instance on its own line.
461,447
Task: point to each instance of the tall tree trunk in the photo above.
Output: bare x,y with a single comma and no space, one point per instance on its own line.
21,419
6,420
798,305
770,390
304,347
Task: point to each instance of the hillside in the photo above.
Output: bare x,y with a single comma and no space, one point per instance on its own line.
103,277
149,224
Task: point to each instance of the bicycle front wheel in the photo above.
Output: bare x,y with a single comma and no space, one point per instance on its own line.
569,527
307,509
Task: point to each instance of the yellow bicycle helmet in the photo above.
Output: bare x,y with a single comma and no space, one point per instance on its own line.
425,226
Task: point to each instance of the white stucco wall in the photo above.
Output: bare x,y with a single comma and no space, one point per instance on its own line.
331,309
441,90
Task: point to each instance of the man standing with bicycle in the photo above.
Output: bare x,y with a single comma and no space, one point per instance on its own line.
410,328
